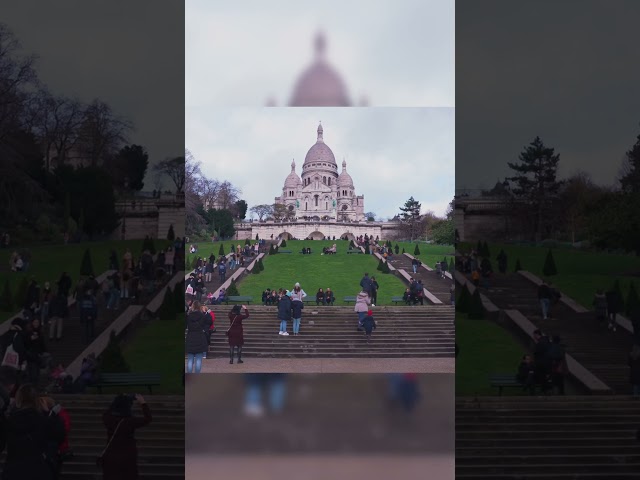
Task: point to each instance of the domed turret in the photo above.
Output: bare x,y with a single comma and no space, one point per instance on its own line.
344,179
292,180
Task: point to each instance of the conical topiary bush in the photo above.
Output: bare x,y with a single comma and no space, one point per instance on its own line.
397,249
633,303
6,299
476,309
284,243
247,242
479,249
416,251
112,360
463,302
171,235
167,310
272,250
518,266
261,265
620,304
178,297
233,289
549,268
403,250
86,267
379,267
452,265
385,267
221,249
485,248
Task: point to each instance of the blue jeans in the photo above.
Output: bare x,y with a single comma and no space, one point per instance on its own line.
276,385
544,303
361,316
296,325
198,359
283,325
415,268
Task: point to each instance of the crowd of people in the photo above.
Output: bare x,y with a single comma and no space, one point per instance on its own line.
547,368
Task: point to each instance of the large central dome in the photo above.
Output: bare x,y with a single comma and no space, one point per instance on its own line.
320,152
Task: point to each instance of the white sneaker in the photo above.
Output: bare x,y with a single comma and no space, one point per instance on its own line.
253,411
373,304
279,333
285,333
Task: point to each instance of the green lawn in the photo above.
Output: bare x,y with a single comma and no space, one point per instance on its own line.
341,272
580,273
159,348
48,262
485,348
429,254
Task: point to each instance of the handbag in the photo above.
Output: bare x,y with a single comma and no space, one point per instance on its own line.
100,458
11,357
229,329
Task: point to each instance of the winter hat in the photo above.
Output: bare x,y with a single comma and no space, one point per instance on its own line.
297,284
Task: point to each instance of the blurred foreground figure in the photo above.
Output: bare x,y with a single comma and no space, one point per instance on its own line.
271,384
403,390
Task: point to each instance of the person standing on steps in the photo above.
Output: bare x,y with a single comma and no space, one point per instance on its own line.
197,325
614,306
600,307
88,315
222,271
363,301
374,291
452,294
544,297
369,324
297,294
284,312
296,313
365,284
235,333
415,263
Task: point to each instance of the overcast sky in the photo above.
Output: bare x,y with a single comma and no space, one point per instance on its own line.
567,71
394,52
391,153
129,54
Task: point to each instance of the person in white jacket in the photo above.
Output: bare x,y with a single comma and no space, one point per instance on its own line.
297,294
363,301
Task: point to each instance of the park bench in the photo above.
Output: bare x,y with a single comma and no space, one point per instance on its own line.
284,251
354,250
128,380
308,300
396,300
349,299
238,299
504,380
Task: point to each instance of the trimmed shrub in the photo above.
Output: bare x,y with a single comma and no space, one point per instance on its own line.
416,251
178,297
257,237
397,249
479,249
233,289
379,267
167,310
485,248
385,268
518,266
284,243
261,265
112,360
221,249
549,265
403,250
272,250
463,302
476,309
620,307
86,267
632,303
452,265
247,242
171,235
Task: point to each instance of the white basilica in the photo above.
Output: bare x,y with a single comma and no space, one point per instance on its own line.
321,194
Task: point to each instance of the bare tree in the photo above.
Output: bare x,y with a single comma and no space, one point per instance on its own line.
174,168
262,211
279,212
192,186
227,196
101,132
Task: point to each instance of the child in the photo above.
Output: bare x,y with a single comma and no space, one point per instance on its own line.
369,324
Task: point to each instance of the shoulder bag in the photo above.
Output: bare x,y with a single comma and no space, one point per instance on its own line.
100,458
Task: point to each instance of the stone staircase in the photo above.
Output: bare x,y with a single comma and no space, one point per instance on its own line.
420,331
603,353
160,444
438,286
517,438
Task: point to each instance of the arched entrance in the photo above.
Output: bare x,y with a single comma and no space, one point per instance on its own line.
286,235
316,235
347,236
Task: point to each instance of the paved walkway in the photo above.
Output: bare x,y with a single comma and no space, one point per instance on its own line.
330,365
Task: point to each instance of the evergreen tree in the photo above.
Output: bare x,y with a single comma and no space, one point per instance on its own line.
632,303
112,359
151,246
247,242
257,237
452,265
178,297
479,248
6,300
411,217
621,301
549,265
535,180
518,266
221,250
171,235
397,249
485,248
416,251
167,310
630,180
233,291
261,265
385,267
403,250
379,268
476,309
284,243
464,299
86,267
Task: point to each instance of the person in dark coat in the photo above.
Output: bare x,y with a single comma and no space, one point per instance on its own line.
374,291
369,324
365,283
296,313
197,326
542,359
236,332
120,457
634,370
284,312
35,350
29,433
614,306
320,297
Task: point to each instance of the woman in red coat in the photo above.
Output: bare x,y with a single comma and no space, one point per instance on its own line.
235,332
120,457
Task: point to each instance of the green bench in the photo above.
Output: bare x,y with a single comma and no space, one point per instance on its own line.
238,299
504,380
349,299
396,300
128,380
354,250
284,251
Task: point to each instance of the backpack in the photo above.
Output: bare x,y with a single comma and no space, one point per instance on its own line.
222,268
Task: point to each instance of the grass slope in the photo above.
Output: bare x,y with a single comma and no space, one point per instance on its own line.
580,273
341,272
485,348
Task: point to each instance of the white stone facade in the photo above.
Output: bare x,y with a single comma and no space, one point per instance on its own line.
316,230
